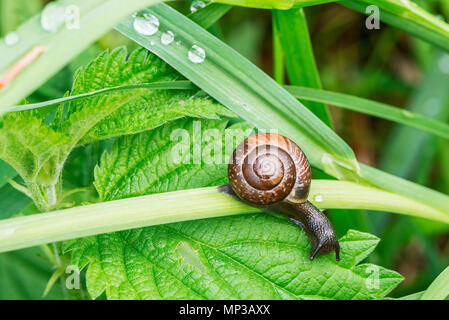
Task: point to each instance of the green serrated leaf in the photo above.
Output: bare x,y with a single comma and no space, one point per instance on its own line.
151,111
107,70
253,256
358,246
163,161
378,280
35,152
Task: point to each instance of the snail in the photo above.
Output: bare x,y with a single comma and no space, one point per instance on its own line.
271,172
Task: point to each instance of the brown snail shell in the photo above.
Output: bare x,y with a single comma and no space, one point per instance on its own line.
267,168
271,172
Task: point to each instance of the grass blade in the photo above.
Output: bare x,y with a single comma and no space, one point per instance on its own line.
439,289
377,109
409,17
210,14
413,296
278,57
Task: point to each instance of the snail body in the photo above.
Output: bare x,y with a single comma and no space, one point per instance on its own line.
271,172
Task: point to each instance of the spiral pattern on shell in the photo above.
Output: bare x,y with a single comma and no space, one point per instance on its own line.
267,168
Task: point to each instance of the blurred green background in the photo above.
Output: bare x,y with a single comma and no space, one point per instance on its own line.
385,65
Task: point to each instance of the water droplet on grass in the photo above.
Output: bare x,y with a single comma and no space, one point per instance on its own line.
197,54
146,25
195,6
167,37
11,39
52,17
318,198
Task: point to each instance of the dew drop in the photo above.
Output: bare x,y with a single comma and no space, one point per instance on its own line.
52,17
167,37
318,198
197,54
11,39
146,25
195,6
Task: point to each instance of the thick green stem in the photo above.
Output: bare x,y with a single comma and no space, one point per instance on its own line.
22,232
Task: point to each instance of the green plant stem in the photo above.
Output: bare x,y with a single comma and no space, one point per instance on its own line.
22,232
163,85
